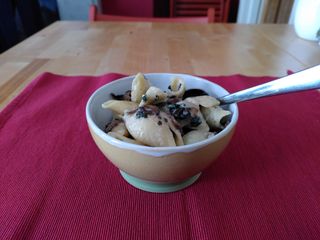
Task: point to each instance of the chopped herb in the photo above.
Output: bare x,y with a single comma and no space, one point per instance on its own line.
195,121
141,113
144,98
179,111
144,112
172,106
185,112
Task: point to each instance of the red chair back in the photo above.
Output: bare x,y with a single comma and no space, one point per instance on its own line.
94,15
187,8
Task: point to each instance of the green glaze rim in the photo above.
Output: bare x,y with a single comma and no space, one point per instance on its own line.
156,187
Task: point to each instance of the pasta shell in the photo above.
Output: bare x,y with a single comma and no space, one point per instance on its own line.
203,125
153,95
121,129
118,106
177,87
188,115
124,138
195,136
214,116
138,88
205,101
149,130
173,127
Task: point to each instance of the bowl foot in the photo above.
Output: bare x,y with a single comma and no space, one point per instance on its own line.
158,187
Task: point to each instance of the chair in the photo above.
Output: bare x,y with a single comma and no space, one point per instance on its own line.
187,8
95,16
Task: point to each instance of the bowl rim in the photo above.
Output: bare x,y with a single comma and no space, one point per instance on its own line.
159,151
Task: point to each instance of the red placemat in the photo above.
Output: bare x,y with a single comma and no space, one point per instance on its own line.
55,183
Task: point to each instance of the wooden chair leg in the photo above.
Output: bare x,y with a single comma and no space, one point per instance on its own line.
226,11
92,13
211,13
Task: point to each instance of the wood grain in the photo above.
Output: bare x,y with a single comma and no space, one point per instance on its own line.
74,48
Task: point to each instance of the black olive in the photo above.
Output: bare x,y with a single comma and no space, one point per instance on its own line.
126,96
194,92
195,121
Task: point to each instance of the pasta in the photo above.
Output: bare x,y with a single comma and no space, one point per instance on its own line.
123,138
148,130
205,101
121,129
139,87
118,106
153,96
214,116
195,136
160,118
177,87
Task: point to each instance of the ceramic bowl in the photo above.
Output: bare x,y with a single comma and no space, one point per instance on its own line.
157,169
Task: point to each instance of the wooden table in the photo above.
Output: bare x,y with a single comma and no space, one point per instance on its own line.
74,48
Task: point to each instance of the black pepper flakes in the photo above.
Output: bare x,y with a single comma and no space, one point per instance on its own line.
159,123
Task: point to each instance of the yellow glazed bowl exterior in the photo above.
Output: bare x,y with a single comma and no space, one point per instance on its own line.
170,168
161,164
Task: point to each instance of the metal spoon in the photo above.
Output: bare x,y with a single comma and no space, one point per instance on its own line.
304,80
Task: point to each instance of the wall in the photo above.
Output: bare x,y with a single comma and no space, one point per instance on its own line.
292,15
256,11
75,9
249,11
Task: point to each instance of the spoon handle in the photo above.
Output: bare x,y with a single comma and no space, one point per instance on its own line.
304,80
